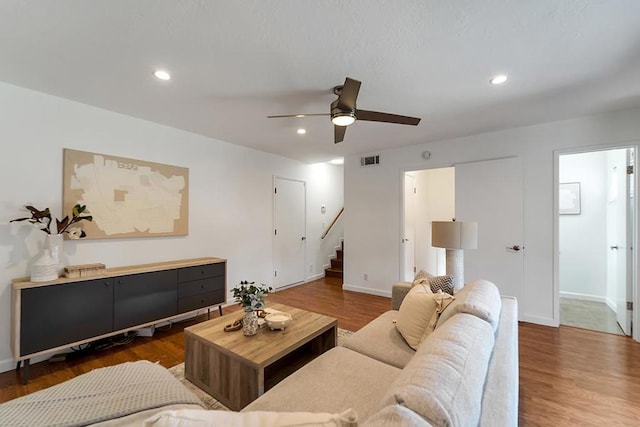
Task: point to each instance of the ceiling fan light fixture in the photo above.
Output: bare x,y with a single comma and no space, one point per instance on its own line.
498,79
162,74
343,118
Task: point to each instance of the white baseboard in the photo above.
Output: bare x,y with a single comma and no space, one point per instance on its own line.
544,321
612,305
369,291
315,277
307,280
583,297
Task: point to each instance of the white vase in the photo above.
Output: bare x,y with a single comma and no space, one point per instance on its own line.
45,268
54,244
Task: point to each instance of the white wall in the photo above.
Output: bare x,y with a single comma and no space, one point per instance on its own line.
583,238
230,199
435,202
372,198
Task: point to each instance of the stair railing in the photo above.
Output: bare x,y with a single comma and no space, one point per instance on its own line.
332,224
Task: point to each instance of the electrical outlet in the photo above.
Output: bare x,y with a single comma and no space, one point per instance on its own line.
366,276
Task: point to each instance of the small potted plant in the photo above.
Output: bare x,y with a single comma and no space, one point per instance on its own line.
251,298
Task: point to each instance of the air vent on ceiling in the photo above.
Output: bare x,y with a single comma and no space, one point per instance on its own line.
370,160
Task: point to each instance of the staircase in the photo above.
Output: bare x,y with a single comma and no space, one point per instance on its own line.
336,264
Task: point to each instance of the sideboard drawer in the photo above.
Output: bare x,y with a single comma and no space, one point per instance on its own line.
188,274
202,286
195,302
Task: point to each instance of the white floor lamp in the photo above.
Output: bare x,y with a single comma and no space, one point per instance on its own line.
455,236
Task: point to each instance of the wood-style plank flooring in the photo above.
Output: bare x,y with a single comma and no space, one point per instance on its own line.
568,376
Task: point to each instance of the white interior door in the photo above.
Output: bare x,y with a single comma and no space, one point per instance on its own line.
618,236
408,238
289,232
490,193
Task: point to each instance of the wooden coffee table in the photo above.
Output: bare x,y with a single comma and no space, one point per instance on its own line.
236,369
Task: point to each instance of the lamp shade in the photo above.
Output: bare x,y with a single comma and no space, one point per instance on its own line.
454,234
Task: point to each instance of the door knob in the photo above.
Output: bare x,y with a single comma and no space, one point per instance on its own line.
303,238
405,240
614,247
515,248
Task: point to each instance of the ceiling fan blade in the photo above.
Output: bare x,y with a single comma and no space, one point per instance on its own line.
376,116
338,133
297,115
349,94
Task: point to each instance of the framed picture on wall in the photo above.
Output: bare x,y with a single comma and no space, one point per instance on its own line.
569,196
126,197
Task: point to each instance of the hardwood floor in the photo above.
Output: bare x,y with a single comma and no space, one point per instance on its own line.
568,376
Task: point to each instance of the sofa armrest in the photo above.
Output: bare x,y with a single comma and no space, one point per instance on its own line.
398,292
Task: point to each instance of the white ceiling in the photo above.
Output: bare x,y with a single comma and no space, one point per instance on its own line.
235,62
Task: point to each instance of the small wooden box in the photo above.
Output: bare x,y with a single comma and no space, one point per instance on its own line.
84,270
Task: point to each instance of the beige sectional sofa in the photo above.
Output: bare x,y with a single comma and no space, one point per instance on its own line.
465,373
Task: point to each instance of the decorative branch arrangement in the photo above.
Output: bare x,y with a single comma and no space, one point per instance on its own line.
42,221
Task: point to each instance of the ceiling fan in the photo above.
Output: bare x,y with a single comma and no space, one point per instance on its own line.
344,111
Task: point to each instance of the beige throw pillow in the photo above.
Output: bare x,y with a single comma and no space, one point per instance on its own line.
419,313
422,277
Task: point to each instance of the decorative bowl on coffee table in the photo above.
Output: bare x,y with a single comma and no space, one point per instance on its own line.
278,320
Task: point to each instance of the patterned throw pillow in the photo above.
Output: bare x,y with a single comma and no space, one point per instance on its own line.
422,278
441,283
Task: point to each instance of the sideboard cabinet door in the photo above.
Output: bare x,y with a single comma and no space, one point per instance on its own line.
52,316
145,297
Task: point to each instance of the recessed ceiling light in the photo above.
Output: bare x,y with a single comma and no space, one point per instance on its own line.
339,161
498,79
301,131
162,75
300,115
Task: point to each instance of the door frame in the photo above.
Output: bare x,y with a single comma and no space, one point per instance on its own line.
403,246
401,174
556,228
273,227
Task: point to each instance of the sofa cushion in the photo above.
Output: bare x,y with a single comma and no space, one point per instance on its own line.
332,382
480,298
199,418
381,340
395,415
444,381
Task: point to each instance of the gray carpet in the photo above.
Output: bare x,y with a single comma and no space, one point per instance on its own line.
596,316
209,401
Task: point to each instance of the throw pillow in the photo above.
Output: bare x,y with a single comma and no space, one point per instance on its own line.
422,277
415,313
441,283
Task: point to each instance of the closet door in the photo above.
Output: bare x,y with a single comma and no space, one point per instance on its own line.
490,193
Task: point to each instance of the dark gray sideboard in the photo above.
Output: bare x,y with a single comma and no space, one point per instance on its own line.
67,312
